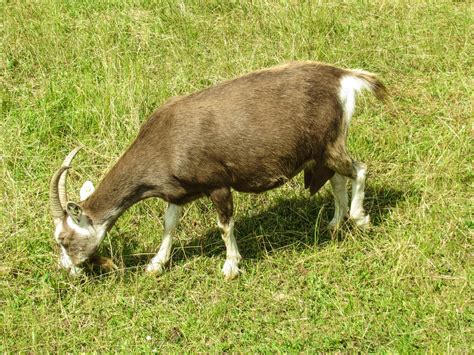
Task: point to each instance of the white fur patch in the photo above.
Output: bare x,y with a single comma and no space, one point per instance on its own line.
66,262
57,231
350,86
77,228
100,231
87,189
358,191
339,190
226,228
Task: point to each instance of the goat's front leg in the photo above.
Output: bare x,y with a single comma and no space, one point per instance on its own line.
222,200
157,263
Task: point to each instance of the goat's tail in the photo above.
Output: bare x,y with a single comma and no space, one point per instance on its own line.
369,82
354,81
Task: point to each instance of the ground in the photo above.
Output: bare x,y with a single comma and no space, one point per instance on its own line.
91,72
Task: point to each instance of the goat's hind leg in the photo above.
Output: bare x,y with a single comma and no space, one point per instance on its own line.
222,200
357,213
344,165
341,204
157,263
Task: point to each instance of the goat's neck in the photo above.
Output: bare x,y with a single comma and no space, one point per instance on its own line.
121,188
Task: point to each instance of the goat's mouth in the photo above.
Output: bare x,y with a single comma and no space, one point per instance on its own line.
89,265
72,270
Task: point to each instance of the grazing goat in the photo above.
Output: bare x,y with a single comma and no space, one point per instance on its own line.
250,134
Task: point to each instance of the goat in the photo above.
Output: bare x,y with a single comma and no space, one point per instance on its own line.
250,134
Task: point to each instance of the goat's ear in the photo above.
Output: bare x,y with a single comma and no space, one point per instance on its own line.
75,212
87,189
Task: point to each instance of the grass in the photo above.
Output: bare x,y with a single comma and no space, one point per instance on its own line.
90,72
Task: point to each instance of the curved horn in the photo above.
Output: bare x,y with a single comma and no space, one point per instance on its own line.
62,178
55,203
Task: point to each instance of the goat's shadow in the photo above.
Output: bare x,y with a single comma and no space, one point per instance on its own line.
288,222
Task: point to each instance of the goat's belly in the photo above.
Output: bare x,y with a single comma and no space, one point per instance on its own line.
259,184
256,188
264,179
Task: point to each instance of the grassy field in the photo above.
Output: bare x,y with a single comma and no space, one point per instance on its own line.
90,72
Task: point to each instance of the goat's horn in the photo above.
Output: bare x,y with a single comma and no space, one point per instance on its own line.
62,178
54,201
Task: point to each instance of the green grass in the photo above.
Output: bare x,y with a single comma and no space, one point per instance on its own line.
89,72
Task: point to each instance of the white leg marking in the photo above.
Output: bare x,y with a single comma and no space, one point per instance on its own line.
231,265
157,263
341,201
358,185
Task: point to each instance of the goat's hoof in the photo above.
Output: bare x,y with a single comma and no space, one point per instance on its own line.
333,226
155,268
361,221
230,269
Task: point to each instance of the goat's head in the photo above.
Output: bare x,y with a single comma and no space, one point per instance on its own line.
74,232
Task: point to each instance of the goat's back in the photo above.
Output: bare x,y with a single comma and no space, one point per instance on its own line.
251,133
